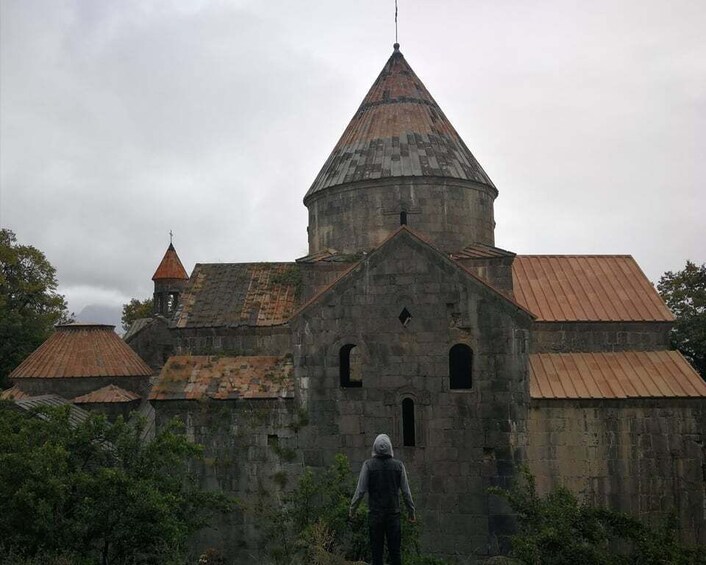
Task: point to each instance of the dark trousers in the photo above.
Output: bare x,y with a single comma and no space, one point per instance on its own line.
384,525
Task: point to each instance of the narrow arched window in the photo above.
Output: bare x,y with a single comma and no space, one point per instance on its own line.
403,218
408,431
349,367
460,366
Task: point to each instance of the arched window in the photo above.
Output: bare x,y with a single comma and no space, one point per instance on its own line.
349,366
403,218
460,366
408,431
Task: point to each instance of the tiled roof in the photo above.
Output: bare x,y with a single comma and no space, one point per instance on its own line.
187,377
107,395
398,131
627,374
13,393
170,267
481,251
82,350
239,294
606,288
76,414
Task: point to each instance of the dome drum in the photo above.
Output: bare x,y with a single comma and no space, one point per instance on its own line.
451,213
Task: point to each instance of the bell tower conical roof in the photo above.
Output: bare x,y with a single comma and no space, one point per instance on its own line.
170,268
398,131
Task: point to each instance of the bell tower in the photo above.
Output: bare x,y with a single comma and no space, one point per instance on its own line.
169,281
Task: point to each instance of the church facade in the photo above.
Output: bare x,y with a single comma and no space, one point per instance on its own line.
405,318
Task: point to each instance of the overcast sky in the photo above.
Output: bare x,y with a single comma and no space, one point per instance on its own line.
121,120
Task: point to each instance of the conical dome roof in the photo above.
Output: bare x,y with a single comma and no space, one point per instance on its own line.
170,267
398,131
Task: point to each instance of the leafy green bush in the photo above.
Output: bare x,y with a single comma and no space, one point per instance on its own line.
310,524
559,529
95,491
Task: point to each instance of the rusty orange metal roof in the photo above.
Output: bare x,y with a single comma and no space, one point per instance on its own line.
13,393
82,350
107,395
186,377
399,130
624,374
605,288
239,294
170,267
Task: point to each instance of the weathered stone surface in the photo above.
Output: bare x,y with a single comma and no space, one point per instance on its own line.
645,457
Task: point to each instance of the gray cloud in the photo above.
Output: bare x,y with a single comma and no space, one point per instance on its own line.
122,120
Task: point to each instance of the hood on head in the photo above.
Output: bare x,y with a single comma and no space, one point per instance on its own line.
382,446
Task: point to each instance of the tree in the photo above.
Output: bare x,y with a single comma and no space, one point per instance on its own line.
559,529
29,304
136,309
96,491
685,294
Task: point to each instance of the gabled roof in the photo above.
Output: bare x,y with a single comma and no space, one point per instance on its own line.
398,131
136,327
600,288
399,232
82,350
626,374
481,251
76,414
170,268
186,377
239,294
107,395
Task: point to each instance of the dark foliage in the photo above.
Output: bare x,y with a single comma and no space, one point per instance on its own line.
685,294
29,303
136,309
96,492
558,529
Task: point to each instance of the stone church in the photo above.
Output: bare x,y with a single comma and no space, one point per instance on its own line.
405,318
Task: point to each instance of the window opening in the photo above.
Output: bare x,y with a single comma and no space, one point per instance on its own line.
405,317
460,366
408,432
403,218
349,366
172,302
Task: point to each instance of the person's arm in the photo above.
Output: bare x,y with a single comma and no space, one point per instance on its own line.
361,489
407,495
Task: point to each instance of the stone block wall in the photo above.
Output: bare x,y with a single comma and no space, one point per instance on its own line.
246,340
451,213
645,457
466,440
71,387
496,270
564,337
251,453
154,343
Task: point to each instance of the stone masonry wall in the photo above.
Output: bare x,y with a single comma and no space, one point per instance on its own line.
645,457
562,337
466,440
246,340
250,453
71,387
359,217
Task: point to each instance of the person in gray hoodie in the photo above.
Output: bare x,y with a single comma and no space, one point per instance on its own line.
383,477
